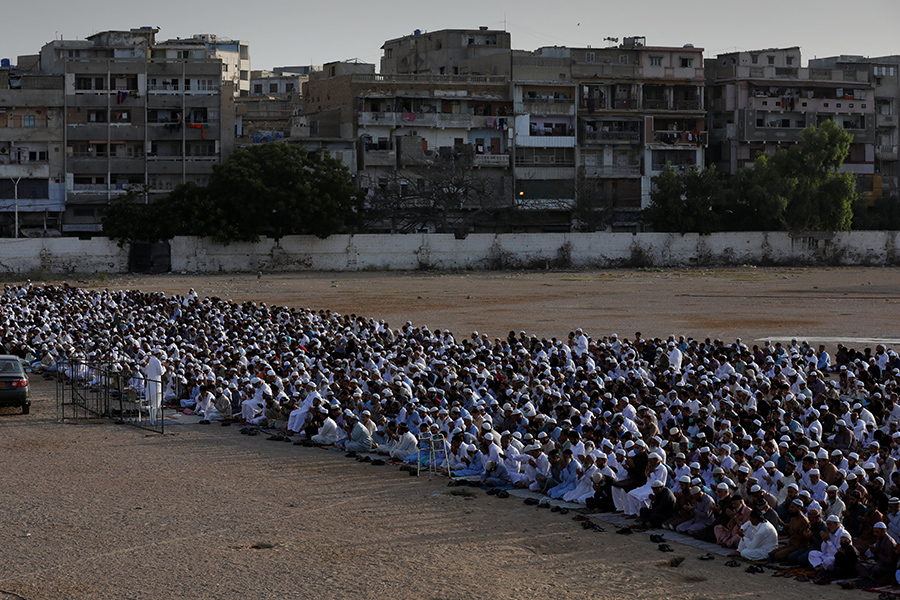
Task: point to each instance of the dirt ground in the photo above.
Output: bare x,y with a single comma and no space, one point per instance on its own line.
107,511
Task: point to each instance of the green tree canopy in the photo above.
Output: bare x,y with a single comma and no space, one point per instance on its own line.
272,189
801,188
683,202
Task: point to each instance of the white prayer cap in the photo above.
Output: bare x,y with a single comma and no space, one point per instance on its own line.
722,486
879,525
684,479
486,426
793,486
694,465
755,489
744,469
657,484
813,472
596,476
489,437
769,465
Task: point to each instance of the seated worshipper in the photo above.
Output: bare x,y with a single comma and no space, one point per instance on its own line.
796,528
602,500
730,534
884,551
700,508
823,560
406,445
473,461
535,464
639,497
553,476
759,538
328,434
585,487
360,439
569,473
495,475
662,506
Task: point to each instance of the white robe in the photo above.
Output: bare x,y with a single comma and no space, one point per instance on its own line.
758,542
153,387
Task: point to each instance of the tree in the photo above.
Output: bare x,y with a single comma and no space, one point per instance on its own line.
281,189
444,192
684,202
802,188
269,189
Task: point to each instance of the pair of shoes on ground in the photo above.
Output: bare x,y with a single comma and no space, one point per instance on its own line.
665,548
657,539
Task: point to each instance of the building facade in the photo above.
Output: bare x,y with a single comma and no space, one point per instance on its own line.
762,100
135,116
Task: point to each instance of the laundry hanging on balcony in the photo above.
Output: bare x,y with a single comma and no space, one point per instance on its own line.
121,96
200,126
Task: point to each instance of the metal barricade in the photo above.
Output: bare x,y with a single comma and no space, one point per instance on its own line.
435,449
100,391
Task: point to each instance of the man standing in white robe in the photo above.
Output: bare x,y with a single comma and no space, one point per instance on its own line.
153,386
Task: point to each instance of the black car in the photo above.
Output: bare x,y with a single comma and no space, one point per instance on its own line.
14,390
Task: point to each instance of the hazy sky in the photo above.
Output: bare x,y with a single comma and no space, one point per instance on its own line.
313,32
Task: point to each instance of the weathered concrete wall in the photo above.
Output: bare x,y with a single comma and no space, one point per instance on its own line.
478,251
558,250
61,256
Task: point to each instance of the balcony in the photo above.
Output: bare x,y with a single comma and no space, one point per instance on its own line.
545,141
379,158
491,160
656,104
886,152
687,105
625,104
546,106
605,137
677,138
29,170
418,119
885,120
613,171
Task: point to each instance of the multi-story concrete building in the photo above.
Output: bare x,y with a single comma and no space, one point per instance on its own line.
594,125
479,51
234,55
32,174
400,123
135,115
883,73
761,100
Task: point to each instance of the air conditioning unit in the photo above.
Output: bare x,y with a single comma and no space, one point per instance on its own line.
4,150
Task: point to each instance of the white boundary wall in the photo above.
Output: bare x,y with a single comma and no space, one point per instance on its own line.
61,256
559,250
477,251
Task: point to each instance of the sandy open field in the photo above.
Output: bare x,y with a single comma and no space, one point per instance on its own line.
107,511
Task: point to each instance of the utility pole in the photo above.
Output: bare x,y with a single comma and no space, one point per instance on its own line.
16,188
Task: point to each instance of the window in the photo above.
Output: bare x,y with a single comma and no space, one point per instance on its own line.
257,88
205,85
754,58
289,87
789,60
245,75
771,59
589,57
389,53
273,88
687,63
245,52
28,121
623,59
656,61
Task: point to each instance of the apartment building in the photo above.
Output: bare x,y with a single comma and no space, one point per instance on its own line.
593,126
32,174
234,55
400,123
135,115
481,51
761,100
883,73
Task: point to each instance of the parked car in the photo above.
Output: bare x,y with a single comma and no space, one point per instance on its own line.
14,389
